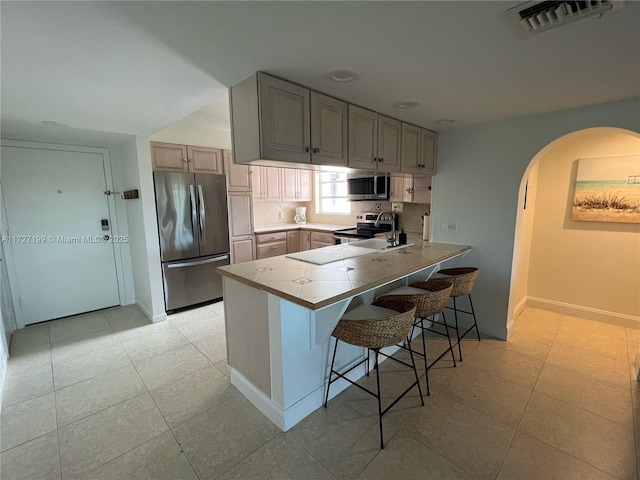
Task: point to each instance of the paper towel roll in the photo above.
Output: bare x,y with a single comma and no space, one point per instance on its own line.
426,220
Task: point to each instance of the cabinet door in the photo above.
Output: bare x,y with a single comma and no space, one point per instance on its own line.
205,160
410,152
428,147
240,214
304,185
396,193
284,121
257,185
328,130
363,140
238,176
271,184
305,240
289,184
242,250
293,241
422,189
389,134
167,157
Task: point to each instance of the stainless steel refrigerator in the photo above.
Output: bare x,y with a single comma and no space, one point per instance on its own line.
194,236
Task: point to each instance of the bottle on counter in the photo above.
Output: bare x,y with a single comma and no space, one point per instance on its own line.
403,237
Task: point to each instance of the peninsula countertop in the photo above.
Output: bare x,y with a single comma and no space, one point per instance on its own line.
298,226
316,286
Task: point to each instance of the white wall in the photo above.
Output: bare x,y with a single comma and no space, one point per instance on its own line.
587,269
480,169
522,247
143,228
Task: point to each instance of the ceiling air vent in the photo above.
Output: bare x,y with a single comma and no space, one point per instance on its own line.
535,17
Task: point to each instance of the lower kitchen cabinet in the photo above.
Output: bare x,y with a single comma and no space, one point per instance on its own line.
271,244
242,250
321,239
305,240
293,241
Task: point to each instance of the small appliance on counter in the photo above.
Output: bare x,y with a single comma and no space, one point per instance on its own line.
365,228
301,215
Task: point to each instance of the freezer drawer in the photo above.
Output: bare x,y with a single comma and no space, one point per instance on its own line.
192,281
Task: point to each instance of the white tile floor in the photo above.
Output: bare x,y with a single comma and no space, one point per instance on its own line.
110,396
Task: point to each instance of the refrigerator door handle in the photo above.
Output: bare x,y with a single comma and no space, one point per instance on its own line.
202,215
199,262
192,199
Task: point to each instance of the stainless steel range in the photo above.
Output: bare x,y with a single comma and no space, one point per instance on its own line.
365,228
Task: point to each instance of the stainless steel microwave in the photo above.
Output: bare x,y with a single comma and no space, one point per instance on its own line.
368,186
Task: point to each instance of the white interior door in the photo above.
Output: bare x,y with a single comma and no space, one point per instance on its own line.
55,202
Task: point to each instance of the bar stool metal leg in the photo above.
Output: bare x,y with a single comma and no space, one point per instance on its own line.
455,313
335,349
446,327
375,351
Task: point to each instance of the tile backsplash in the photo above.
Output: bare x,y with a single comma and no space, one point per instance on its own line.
268,213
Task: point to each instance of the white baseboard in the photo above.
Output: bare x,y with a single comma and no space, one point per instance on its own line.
519,308
161,317
287,419
613,318
3,374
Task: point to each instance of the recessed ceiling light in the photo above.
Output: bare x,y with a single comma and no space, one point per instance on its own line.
407,104
51,123
343,75
444,121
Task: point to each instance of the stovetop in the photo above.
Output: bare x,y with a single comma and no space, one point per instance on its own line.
365,226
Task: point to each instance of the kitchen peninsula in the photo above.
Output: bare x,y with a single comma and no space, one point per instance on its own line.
280,313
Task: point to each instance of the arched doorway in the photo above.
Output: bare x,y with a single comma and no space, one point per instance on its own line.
585,269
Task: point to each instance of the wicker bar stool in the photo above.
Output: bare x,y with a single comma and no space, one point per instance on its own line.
381,324
430,298
463,278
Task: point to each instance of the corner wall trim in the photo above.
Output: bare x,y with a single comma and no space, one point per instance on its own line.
613,318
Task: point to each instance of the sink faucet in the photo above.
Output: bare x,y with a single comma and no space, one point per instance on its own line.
392,239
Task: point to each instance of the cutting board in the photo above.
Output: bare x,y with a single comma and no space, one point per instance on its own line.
322,256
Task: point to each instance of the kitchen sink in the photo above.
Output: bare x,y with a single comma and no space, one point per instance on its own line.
377,244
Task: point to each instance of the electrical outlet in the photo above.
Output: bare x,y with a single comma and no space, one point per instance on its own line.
396,207
281,215
449,226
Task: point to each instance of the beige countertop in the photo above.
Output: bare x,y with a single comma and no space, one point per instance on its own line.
316,286
298,226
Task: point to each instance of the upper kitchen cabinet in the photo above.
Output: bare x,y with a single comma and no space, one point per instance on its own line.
418,150
168,157
374,141
266,183
428,146
270,120
328,130
238,176
295,185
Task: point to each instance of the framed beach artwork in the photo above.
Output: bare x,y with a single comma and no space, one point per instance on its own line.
607,190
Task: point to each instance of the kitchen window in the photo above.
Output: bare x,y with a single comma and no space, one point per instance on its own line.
331,193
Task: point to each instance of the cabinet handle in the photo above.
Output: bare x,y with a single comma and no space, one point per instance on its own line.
316,150
308,149
275,247
185,160
381,160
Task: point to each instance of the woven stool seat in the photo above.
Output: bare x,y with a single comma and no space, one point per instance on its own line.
463,279
384,323
390,325
430,298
